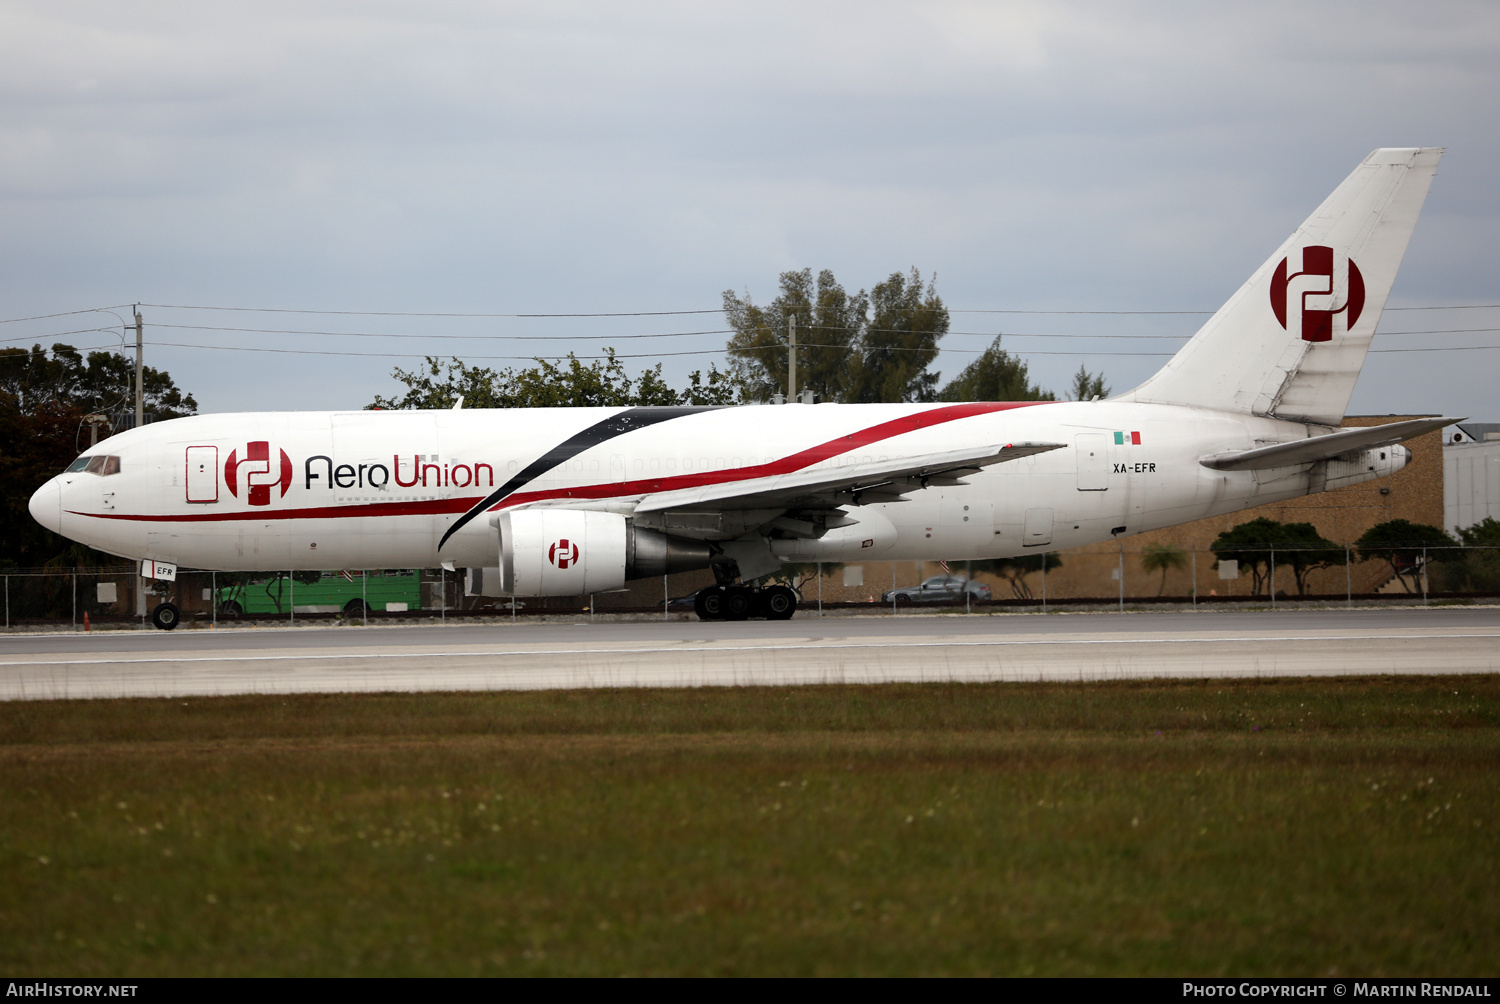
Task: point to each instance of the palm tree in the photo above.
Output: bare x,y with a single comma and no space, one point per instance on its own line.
1162,558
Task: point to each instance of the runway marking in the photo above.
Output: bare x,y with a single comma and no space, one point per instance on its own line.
783,647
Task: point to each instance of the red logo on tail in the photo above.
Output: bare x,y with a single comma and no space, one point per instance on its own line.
563,554
255,467
1317,314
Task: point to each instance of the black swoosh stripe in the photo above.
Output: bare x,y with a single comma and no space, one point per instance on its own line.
601,432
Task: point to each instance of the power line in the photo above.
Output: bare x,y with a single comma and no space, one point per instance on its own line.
383,334
716,310
65,313
1112,312
59,334
675,334
714,352
642,313
418,313
1452,306
1442,306
424,355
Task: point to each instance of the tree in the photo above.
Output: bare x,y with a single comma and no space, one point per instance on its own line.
717,389
1304,549
797,574
995,376
562,384
44,397
1249,544
899,343
829,325
571,384
1477,566
1402,544
441,385
1162,558
1261,541
1087,386
102,383
1014,570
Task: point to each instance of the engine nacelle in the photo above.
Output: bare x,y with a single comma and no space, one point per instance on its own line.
570,552
1352,468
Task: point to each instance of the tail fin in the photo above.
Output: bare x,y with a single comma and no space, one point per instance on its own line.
1291,342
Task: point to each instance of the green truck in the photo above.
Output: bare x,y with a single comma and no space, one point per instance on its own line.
333,592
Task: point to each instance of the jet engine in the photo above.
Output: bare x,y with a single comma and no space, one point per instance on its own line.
570,552
1366,465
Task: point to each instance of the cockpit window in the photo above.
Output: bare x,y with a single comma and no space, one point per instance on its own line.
100,465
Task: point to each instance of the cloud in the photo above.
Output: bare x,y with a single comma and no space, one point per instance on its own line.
592,156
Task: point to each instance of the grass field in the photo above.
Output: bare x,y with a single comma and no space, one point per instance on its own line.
1347,826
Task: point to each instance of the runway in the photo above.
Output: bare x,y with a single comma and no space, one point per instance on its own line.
873,649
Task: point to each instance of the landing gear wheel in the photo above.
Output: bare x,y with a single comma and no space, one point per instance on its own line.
355,608
165,616
779,603
709,604
738,602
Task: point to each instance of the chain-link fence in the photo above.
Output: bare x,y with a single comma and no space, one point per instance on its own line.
1122,576
117,597
1162,574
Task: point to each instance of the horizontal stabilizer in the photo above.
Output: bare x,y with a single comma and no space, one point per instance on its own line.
1305,451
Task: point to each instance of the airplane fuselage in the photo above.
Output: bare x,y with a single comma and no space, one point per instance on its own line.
366,489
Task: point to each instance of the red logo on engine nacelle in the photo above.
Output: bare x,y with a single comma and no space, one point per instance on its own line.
255,467
1317,318
563,554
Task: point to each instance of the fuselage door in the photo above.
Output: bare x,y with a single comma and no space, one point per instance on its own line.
1038,528
202,474
1092,451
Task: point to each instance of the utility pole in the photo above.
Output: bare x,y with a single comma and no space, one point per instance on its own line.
140,368
93,422
791,359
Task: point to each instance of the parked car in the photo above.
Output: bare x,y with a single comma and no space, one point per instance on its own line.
683,603
938,589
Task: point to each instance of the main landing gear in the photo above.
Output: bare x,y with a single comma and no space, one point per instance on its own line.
738,603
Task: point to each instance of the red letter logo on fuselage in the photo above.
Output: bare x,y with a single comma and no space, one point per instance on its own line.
254,468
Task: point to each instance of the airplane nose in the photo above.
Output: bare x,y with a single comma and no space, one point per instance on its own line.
46,506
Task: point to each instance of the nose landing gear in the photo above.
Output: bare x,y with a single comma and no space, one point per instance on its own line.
165,616
738,603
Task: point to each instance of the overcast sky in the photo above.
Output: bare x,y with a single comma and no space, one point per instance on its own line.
609,157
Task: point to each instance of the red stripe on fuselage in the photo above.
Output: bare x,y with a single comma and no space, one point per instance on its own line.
438,507
427,507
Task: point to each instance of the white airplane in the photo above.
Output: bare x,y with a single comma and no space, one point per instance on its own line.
568,501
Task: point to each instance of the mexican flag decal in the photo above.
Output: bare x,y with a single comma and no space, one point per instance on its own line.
1127,439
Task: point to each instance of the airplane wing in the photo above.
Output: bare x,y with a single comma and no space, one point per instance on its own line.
1304,451
845,484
